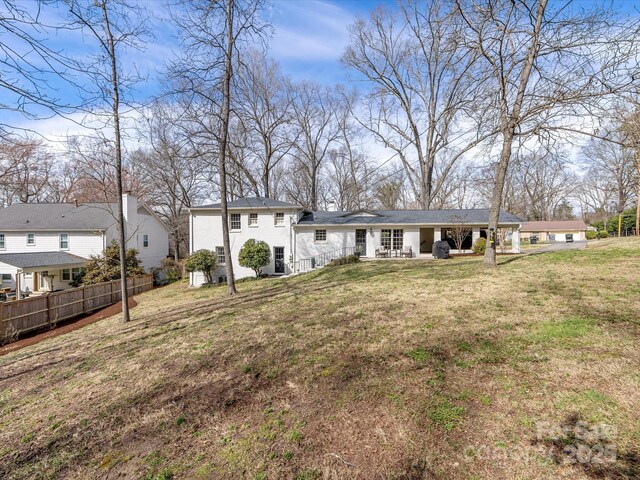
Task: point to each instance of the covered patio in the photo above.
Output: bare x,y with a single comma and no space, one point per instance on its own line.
25,274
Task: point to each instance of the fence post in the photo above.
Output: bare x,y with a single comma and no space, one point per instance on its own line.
84,301
48,308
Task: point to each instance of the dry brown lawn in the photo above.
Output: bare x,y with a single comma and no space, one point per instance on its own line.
379,370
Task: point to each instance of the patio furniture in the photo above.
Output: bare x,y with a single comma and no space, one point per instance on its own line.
382,252
406,252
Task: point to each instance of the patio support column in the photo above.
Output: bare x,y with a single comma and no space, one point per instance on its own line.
437,234
18,284
515,240
475,234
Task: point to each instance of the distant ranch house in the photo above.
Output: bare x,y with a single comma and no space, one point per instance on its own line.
43,246
554,231
298,238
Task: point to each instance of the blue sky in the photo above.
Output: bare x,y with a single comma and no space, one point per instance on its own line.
309,37
308,40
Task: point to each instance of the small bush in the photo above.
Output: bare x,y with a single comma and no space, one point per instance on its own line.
255,255
603,234
169,271
591,235
479,246
345,260
202,261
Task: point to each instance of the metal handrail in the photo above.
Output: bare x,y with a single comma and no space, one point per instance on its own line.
323,259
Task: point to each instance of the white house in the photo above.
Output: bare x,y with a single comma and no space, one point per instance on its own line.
300,238
43,245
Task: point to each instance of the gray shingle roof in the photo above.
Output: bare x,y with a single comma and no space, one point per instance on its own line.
40,259
476,216
57,216
251,202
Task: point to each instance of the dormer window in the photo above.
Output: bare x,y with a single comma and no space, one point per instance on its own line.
31,239
3,243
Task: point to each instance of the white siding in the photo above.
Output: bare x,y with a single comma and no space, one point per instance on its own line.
11,270
206,232
345,236
83,244
158,248
139,224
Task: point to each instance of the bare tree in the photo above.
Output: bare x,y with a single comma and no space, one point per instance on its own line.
460,230
175,176
613,167
424,100
264,112
114,26
630,130
548,67
26,170
316,134
212,33
28,65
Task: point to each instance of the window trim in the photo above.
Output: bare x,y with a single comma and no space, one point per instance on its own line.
60,241
315,235
3,241
34,240
253,224
275,219
66,271
145,240
231,221
220,253
5,280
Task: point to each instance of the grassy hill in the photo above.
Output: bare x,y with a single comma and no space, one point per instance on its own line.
389,369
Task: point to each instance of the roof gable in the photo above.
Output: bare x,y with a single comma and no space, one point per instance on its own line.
362,213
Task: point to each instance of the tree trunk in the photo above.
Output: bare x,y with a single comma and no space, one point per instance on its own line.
496,197
224,137
118,144
638,194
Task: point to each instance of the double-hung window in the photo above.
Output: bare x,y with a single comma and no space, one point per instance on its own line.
31,239
235,223
145,241
321,236
253,219
3,242
279,219
64,241
220,255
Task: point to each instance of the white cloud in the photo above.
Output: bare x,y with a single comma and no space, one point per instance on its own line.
309,30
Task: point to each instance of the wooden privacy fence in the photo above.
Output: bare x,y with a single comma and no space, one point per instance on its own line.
28,314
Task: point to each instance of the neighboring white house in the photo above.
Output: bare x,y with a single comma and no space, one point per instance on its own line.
555,231
297,236
43,245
